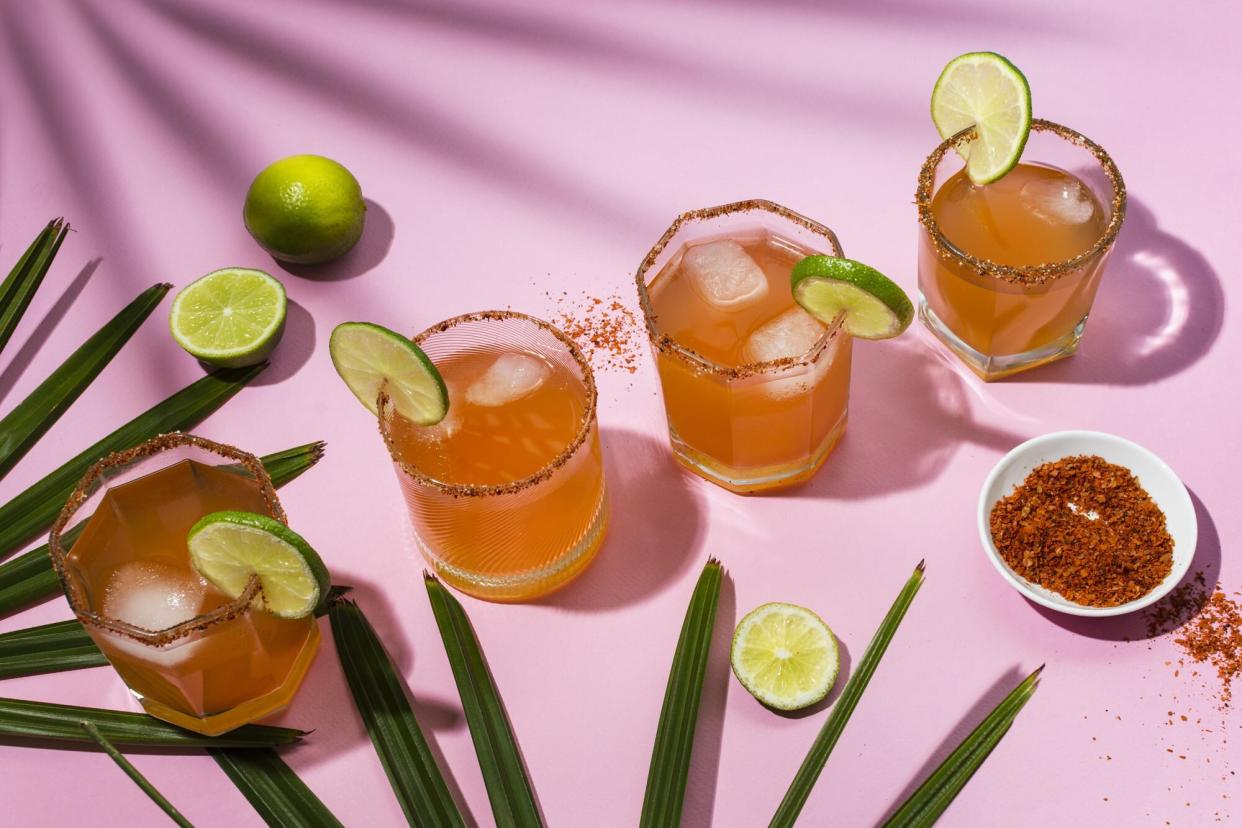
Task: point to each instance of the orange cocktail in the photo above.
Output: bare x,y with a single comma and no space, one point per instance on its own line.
1008,271
506,494
191,655
755,389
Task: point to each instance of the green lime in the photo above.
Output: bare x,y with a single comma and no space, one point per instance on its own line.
230,317
305,209
370,358
986,91
227,548
785,656
874,306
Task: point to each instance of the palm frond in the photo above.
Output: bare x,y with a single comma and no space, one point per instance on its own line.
670,758
22,427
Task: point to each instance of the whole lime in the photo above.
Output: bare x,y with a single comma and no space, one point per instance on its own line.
305,209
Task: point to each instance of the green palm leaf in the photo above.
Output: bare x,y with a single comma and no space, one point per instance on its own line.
804,781
380,698
508,788
30,577
931,799
24,279
275,791
65,645
22,427
21,719
133,773
679,716
34,510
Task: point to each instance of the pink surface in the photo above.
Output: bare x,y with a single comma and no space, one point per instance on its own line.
515,149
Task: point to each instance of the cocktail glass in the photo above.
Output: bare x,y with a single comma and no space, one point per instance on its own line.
190,655
753,426
1001,306
509,539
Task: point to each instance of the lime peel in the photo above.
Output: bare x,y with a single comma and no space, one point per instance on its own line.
370,358
305,209
874,306
785,656
985,91
229,548
232,317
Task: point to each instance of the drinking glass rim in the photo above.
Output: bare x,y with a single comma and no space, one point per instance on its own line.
666,344
1021,274
539,476
120,459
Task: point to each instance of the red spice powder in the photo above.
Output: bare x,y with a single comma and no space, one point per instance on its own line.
1214,636
1085,528
607,331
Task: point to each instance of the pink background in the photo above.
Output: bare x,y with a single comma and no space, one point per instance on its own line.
512,149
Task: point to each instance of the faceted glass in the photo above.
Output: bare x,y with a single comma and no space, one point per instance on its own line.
1002,299
758,425
190,655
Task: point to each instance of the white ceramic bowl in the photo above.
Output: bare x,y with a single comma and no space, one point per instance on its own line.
1164,486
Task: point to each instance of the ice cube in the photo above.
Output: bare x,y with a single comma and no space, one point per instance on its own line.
153,596
1058,200
791,334
510,378
724,276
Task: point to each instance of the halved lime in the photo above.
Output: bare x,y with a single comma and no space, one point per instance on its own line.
984,90
230,317
785,656
369,357
874,306
227,548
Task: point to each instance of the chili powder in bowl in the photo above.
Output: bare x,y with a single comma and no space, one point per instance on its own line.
1087,523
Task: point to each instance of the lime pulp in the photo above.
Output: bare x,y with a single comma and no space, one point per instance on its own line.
871,305
785,656
985,91
371,359
230,318
229,548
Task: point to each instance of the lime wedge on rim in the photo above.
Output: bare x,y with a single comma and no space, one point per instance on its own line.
231,317
874,306
984,90
369,358
227,548
785,656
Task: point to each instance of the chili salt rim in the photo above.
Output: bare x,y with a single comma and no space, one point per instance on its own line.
513,487
1026,274
58,552
667,345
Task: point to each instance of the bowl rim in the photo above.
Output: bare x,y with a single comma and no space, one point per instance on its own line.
1181,496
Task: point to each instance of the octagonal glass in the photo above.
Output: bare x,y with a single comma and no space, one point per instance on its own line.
190,654
751,425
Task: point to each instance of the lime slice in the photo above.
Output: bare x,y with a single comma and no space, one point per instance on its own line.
369,358
785,656
874,306
231,317
227,548
984,90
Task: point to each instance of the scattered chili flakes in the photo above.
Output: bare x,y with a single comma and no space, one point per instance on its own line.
1085,528
606,330
1214,636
